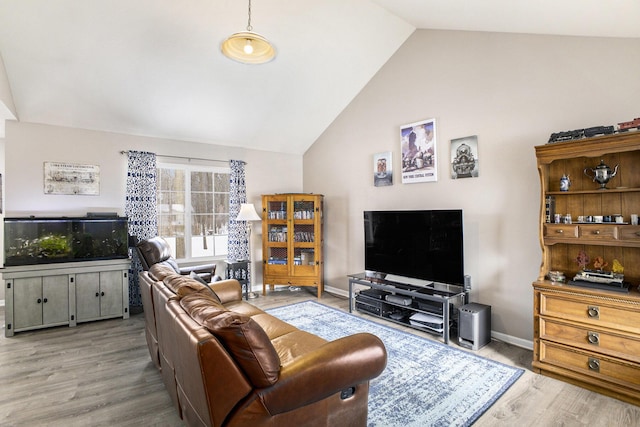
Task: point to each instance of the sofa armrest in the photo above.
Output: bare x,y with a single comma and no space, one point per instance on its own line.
227,290
335,366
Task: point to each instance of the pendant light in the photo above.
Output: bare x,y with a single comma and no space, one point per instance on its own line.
248,47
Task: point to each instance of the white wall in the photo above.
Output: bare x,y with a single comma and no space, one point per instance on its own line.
512,91
28,146
7,108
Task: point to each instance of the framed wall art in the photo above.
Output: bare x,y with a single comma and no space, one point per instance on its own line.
418,148
464,157
382,169
69,178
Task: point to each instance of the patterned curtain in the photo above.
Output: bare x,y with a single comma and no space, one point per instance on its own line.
238,247
140,208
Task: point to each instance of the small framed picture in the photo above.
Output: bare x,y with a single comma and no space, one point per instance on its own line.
382,169
464,157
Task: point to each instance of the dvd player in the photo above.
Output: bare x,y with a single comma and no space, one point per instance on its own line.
374,293
372,306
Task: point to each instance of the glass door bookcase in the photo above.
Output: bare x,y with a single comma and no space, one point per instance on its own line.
292,240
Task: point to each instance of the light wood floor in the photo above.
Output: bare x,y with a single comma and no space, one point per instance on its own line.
100,374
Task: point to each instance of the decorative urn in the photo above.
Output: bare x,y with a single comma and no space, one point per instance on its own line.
601,174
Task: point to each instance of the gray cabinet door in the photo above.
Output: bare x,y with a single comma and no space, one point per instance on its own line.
111,293
87,296
55,299
40,301
98,295
27,302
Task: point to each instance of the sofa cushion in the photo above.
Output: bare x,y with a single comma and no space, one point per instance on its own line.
249,345
195,276
185,285
295,344
202,306
160,271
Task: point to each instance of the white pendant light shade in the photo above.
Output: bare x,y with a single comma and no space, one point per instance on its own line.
248,47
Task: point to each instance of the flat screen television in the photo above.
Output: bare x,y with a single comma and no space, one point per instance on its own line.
416,244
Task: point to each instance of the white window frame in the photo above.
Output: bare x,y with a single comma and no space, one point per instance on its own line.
187,168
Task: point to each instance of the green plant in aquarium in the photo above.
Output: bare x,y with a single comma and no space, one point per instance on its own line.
54,246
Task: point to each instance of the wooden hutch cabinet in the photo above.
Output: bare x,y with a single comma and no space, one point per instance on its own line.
292,240
585,336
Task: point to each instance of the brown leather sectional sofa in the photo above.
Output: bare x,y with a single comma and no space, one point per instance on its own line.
227,363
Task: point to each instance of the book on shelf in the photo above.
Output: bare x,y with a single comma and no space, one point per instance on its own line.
549,208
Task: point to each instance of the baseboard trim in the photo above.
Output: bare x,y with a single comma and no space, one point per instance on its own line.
337,291
509,339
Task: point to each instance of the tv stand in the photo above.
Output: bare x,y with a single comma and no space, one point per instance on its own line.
407,280
430,308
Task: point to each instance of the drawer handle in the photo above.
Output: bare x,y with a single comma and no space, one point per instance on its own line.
596,232
593,312
593,338
594,364
560,231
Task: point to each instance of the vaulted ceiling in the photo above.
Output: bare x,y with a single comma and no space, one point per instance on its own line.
154,67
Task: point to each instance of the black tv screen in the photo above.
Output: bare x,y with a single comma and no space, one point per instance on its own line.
423,244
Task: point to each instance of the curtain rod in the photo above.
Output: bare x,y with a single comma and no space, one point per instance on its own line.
188,158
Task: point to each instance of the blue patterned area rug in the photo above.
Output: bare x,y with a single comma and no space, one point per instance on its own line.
425,383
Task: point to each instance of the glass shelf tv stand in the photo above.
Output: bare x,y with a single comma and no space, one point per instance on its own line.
431,308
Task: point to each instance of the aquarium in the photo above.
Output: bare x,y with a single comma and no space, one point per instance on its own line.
29,241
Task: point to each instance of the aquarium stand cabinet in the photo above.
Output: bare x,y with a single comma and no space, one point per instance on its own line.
432,308
47,295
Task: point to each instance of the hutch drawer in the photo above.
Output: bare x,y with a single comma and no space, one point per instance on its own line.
591,311
625,374
591,339
629,232
598,232
560,231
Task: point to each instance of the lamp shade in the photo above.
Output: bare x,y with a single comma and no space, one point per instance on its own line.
248,47
247,213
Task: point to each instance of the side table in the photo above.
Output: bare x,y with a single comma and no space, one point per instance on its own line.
239,270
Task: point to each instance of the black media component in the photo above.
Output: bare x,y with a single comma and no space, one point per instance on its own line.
374,293
421,244
372,305
431,306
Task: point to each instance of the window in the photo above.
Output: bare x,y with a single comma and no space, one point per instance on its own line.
193,209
